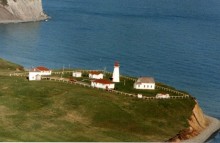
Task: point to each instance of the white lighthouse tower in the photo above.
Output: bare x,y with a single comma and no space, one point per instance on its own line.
116,75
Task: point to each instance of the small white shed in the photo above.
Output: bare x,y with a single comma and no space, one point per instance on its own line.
77,74
34,75
140,96
163,96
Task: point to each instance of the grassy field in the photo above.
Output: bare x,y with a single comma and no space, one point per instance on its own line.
126,85
55,111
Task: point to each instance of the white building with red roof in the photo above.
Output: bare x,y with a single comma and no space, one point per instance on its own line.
103,83
96,75
36,73
145,83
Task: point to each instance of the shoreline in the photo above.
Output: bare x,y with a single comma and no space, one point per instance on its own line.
214,126
23,21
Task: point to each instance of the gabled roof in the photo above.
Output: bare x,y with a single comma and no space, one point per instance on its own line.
102,81
41,68
95,73
145,80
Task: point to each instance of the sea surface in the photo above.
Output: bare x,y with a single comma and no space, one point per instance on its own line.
175,41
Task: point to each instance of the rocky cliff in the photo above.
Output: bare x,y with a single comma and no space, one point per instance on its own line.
197,123
21,11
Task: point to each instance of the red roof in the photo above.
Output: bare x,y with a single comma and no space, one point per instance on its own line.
103,81
95,72
41,68
116,64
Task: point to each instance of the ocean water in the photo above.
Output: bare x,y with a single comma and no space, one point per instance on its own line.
175,41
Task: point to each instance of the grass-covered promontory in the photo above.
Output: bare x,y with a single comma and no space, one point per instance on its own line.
56,111
6,67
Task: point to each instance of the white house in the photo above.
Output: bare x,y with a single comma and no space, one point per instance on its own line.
36,73
103,83
164,96
96,75
116,74
145,83
77,74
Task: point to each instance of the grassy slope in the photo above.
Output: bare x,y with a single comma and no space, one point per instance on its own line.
50,111
6,66
53,111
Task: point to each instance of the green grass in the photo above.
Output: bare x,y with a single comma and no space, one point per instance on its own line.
6,67
53,111
126,85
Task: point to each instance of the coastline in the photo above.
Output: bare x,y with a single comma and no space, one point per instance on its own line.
214,125
23,21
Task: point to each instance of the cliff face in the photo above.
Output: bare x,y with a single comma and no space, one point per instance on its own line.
197,123
21,11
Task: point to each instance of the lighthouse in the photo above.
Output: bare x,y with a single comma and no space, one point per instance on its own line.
116,75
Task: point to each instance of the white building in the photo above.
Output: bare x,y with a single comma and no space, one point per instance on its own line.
116,74
145,83
77,74
163,96
103,83
36,73
96,75
140,96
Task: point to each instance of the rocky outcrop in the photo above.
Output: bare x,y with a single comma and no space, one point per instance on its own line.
21,11
198,122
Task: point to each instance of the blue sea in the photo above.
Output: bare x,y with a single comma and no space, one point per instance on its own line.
175,41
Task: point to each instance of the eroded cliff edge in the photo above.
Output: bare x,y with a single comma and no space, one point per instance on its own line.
12,11
201,127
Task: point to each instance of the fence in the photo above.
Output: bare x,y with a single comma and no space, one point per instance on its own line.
66,80
18,74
